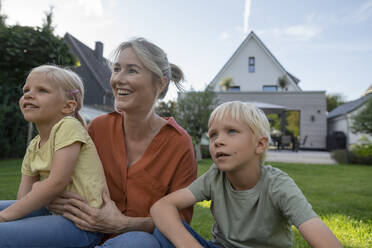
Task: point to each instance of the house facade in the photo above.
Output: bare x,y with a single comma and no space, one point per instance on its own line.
256,76
94,70
341,118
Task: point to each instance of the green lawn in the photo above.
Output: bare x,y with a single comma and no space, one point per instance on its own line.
340,194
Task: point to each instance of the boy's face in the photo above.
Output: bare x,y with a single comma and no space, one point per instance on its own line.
233,145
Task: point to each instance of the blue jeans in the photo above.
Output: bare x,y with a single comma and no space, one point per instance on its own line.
165,243
40,229
132,240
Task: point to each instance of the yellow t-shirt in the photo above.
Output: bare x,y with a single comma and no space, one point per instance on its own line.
88,179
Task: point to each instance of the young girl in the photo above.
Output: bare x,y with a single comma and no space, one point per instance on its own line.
61,158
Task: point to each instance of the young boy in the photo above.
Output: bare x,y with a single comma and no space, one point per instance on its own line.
253,205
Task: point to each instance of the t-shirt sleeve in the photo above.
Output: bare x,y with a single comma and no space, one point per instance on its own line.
292,201
26,164
68,132
201,187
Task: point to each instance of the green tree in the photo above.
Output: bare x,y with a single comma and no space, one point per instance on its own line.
283,82
226,83
166,109
363,120
21,49
333,101
193,111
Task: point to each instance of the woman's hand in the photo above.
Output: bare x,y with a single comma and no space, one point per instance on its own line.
58,205
107,219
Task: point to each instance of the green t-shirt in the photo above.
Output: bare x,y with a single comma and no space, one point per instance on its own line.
258,217
88,179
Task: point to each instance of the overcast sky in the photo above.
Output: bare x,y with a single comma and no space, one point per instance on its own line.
327,44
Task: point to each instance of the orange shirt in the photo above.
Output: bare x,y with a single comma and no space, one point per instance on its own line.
167,165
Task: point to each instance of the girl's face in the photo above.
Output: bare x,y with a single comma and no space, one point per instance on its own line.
133,85
42,102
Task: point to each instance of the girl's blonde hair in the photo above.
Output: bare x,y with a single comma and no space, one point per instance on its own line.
245,113
154,59
68,81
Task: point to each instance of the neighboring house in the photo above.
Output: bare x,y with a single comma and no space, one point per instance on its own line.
341,118
255,74
94,70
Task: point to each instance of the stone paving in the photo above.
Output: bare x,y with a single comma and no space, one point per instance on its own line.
306,157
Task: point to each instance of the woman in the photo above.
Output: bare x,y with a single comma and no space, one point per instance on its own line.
144,156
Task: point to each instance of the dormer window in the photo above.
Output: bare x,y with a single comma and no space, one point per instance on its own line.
234,88
251,64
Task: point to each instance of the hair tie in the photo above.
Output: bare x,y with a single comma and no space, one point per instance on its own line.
72,92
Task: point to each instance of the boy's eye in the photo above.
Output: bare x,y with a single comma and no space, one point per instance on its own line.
232,131
211,135
25,91
42,90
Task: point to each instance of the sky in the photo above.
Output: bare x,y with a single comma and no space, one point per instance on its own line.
327,44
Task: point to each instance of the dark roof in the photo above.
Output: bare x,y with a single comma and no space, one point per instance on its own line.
348,107
253,35
98,66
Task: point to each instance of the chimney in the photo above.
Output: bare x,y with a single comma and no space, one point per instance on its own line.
98,51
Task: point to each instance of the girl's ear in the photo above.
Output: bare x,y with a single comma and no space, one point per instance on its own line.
262,143
69,107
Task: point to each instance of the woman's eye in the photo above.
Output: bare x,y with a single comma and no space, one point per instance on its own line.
25,91
132,71
116,69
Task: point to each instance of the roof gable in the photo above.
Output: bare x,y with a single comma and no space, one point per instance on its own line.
98,67
292,79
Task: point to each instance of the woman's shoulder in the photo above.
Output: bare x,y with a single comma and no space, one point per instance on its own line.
180,133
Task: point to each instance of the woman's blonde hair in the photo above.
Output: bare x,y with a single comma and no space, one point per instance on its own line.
245,113
154,59
68,81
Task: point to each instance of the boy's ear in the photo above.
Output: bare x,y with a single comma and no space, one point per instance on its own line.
262,143
69,107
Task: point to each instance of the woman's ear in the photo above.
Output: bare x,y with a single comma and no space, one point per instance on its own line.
262,143
164,82
69,107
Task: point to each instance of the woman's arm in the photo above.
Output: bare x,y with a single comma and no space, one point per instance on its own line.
26,185
317,234
63,165
166,217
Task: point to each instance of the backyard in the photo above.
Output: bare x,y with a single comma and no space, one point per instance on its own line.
340,194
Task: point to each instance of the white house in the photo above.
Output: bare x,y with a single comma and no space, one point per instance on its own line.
255,72
341,118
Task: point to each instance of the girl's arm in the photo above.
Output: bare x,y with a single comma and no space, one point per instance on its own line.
26,185
317,234
167,219
63,165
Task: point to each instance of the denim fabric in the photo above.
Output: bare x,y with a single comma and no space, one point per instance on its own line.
165,243
132,240
40,229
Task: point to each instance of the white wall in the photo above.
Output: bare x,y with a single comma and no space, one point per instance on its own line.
266,72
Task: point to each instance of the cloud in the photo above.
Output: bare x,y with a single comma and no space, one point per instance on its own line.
91,7
224,35
302,32
364,12
247,12
297,32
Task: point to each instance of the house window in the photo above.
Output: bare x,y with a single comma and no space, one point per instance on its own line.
234,88
251,64
270,88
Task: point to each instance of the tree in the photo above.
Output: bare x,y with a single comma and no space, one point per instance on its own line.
166,109
363,120
193,111
283,82
333,101
21,49
226,83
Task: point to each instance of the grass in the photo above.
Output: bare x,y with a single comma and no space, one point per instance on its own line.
340,194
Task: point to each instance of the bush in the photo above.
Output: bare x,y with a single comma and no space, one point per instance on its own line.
361,153
340,156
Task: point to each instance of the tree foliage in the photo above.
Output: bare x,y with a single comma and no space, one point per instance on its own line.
363,120
21,49
166,109
333,101
193,111
283,82
226,83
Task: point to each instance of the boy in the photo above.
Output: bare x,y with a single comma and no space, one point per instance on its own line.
253,205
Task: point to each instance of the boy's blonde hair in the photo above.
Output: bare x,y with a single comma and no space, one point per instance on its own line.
68,81
245,113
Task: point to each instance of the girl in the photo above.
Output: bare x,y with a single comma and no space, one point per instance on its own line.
61,158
